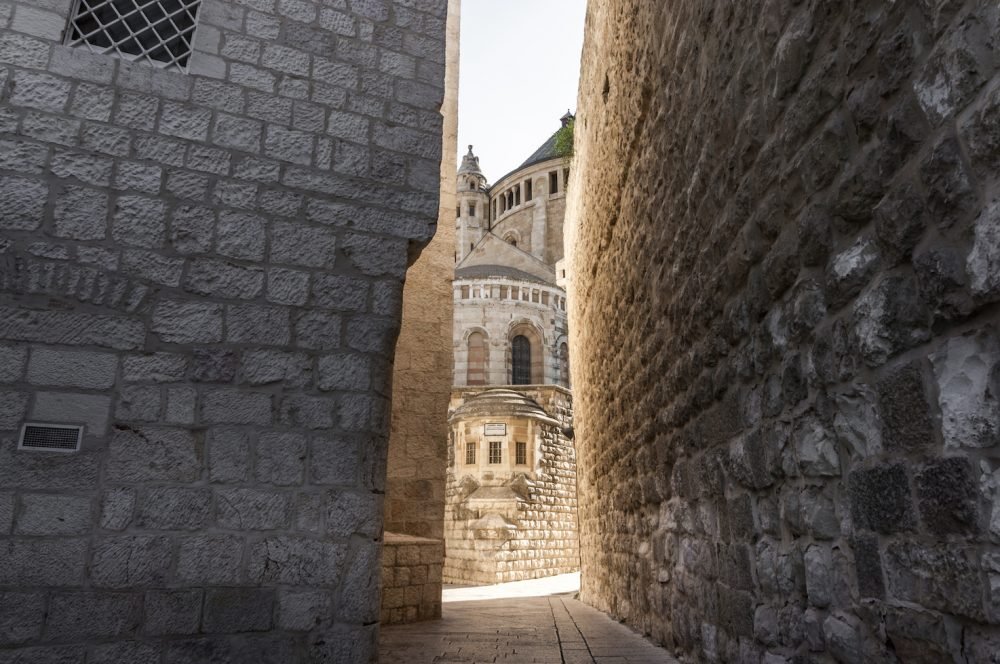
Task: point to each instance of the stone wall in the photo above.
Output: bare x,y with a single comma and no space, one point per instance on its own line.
422,369
411,579
205,270
784,326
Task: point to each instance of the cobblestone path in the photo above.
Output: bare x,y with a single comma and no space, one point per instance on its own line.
542,630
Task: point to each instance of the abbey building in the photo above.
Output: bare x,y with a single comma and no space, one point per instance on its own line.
511,489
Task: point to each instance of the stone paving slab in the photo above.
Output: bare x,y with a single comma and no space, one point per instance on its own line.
527,630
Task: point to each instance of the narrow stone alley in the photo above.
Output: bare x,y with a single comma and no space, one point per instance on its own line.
504,625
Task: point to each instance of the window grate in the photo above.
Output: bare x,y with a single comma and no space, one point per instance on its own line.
470,453
158,31
522,454
496,453
50,437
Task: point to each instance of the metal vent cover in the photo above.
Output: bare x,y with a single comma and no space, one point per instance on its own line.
160,32
38,437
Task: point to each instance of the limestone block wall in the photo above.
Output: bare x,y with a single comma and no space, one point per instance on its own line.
205,271
784,316
422,367
411,579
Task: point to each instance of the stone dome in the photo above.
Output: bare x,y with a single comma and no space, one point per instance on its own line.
500,403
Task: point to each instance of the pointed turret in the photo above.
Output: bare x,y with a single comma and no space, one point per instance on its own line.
472,210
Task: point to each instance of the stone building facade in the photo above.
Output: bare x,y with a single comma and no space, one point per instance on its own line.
510,511
785,251
203,238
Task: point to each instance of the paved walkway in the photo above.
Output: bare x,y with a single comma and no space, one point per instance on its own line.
520,630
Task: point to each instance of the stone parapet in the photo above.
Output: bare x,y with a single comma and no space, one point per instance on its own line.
411,579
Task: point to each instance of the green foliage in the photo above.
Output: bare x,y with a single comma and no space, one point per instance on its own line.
564,140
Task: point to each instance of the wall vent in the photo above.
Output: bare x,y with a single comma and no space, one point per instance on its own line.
50,437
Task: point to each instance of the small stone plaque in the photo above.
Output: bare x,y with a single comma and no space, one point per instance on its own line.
498,429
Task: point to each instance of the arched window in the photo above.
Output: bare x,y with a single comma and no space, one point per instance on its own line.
476,372
511,239
564,364
520,349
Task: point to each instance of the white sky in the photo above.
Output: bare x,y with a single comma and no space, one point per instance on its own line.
519,70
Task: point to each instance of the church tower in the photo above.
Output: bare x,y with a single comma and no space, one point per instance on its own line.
473,206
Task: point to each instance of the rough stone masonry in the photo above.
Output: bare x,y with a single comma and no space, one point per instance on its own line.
786,361
204,269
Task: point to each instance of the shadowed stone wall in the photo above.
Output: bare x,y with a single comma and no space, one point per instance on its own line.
205,270
784,316
421,385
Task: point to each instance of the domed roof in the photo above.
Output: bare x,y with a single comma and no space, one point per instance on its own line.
470,164
546,150
500,402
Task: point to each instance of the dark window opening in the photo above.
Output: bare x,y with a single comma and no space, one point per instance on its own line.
553,182
470,453
521,361
527,190
472,209
522,454
496,451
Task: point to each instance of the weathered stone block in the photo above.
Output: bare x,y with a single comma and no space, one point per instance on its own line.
281,458
228,456
81,214
868,565
127,562
169,508
22,615
880,499
42,514
93,615
216,278
139,403
940,577
214,365
139,221
296,561
333,461
304,610
209,559
171,612
232,610
117,508
255,324
904,407
344,372
317,330
154,454
43,562
340,293
350,513
241,235
304,245
124,651
261,367
968,387
232,406
947,496
251,509
308,412
188,322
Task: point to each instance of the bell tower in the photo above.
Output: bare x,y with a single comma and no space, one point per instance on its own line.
472,215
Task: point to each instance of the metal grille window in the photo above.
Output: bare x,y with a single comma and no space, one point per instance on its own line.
470,453
158,31
496,451
521,360
522,454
